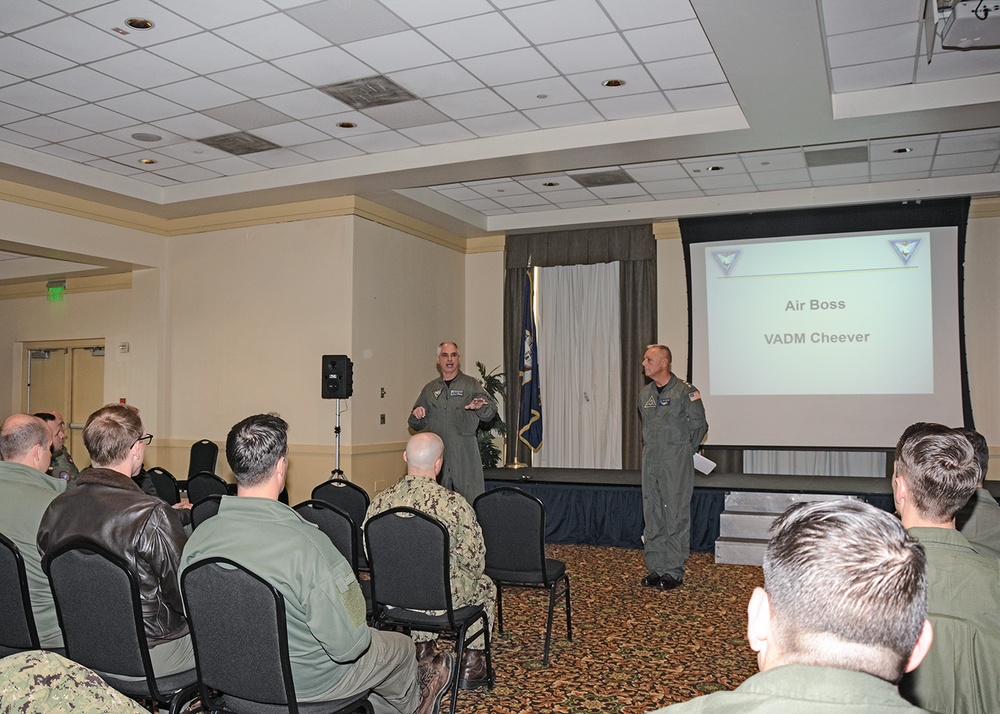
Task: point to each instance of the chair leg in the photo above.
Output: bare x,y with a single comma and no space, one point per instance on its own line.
569,623
459,650
548,623
499,608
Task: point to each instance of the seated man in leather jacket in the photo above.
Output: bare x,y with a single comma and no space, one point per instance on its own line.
109,508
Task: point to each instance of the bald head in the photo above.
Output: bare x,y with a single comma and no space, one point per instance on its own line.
24,439
424,454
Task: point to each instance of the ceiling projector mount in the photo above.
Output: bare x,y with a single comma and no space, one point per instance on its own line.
961,24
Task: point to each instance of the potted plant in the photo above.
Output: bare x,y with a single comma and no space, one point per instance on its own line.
495,384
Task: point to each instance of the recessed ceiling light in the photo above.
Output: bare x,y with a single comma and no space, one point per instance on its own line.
139,23
346,124
614,83
541,96
143,136
902,150
713,168
147,161
550,183
765,163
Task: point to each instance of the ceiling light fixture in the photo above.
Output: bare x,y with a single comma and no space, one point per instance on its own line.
541,96
139,23
714,168
614,83
143,136
550,184
147,161
346,124
902,150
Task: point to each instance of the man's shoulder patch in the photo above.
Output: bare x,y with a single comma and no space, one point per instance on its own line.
694,396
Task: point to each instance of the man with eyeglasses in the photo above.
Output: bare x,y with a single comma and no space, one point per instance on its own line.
108,508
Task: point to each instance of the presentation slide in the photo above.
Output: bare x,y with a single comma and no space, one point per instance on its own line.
826,340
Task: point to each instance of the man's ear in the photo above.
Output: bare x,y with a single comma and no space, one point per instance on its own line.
921,647
758,620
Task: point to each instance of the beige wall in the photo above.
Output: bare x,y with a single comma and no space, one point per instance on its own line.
982,326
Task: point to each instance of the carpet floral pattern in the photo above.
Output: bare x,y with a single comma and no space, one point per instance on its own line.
634,648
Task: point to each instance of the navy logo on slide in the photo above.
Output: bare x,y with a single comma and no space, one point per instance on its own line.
905,248
726,259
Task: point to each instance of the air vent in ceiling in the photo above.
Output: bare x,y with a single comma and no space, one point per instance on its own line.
369,92
239,143
837,157
603,178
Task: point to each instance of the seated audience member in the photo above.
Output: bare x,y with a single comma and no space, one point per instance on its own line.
840,617
25,493
334,654
936,473
108,508
979,519
420,490
62,465
43,682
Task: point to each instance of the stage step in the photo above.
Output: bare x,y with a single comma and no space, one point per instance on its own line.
743,526
740,551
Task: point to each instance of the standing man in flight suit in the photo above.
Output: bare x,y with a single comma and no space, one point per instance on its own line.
673,425
452,407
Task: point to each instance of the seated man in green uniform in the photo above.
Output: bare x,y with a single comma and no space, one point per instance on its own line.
979,519
839,620
936,473
62,465
334,654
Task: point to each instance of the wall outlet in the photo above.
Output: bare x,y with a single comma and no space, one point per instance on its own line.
381,418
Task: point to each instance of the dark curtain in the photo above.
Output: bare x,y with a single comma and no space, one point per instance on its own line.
635,249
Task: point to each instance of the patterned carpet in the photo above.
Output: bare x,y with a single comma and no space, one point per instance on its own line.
634,649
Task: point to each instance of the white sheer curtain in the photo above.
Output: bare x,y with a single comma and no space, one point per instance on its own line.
814,463
578,322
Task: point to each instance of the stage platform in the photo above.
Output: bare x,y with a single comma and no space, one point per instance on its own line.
604,507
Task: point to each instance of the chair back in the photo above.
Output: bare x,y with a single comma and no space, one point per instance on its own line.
205,509
99,611
17,625
165,485
335,524
204,455
251,663
513,524
408,555
352,500
205,483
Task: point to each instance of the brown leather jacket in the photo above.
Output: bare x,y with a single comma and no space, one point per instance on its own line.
108,508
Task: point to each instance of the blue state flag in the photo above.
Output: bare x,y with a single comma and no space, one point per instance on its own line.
529,422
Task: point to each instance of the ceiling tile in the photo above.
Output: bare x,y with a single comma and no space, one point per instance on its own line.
630,14
167,26
99,145
36,98
259,80
899,177
193,152
343,21
326,66
327,150
430,13
883,43
204,53
678,195
86,84
154,179
438,133
188,174
955,64
870,76
134,158
94,118
589,54
248,115
166,137
459,193
306,104
677,39
470,104
538,183
195,126
524,199
840,16
405,114
113,166
19,14
279,158
730,164
634,105
272,37
24,60
692,71
6,79
658,171
499,187
474,36
436,79
539,93
963,141
65,152
774,160
142,69
883,148
218,13
781,176
75,40
144,106
291,134
563,115
712,97
198,93
618,191
497,124
673,185
509,67
19,139
838,172
232,166
977,159
966,171
560,20
482,204
898,166
572,195
383,141
402,50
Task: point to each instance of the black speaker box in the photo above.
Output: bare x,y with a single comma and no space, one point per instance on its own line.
338,377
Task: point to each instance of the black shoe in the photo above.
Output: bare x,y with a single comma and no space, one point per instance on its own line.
652,580
669,583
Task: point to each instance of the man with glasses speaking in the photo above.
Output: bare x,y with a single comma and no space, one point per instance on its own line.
108,508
